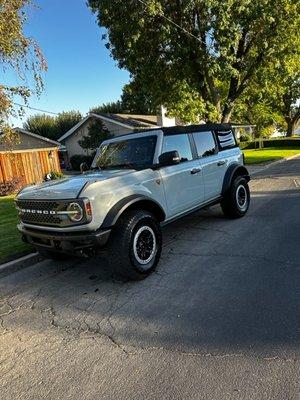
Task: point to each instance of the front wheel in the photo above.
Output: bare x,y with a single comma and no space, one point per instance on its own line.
236,202
136,244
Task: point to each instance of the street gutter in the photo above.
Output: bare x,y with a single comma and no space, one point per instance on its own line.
18,264
256,169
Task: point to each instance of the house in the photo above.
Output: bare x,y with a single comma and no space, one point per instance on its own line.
29,159
243,129
116,124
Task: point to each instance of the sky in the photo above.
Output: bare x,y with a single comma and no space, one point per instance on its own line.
81,74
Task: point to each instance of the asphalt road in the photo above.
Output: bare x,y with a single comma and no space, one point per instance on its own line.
220,319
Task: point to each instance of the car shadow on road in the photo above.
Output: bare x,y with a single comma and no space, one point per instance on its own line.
222,286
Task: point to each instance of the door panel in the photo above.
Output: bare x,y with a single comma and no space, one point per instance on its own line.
213,176
183,185
183,182
213,168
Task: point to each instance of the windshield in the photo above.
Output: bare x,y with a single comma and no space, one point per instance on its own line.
130,153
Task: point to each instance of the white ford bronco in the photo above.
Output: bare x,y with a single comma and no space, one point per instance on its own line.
137,183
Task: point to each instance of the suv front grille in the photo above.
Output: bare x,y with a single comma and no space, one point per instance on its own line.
40,212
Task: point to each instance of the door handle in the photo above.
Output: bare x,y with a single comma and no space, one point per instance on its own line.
220,163
195,171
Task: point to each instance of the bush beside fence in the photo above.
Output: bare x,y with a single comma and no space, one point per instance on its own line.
266,143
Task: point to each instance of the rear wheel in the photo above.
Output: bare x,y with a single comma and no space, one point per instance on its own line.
136,244
236,202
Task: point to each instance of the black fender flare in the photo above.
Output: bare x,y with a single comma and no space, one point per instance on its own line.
232,171
122,205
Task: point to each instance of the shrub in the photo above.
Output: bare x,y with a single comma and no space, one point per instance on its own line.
78,159
9,187
53,175
245,137
283,142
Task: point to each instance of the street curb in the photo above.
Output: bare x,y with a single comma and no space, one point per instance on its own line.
20,263
271,164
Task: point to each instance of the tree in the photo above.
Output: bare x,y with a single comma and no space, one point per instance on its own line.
291,105
108,108
42,124
97,134
52,127
212,53
134,100
21,55
137,100
272,98
66,120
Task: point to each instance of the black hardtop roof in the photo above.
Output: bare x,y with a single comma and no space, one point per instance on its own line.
173,130
176,130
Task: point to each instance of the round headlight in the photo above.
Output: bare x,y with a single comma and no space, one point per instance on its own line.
75,212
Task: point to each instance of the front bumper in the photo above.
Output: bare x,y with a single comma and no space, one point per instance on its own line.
64,242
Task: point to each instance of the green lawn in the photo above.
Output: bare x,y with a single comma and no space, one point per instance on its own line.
11,244
268,154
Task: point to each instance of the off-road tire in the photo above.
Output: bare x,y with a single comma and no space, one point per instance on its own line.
235,203
122,247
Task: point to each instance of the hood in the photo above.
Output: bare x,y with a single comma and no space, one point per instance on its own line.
68,188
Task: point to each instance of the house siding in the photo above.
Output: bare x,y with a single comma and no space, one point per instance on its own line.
72,142
26,142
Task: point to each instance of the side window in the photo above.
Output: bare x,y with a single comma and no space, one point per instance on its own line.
205,144
181,143
226,139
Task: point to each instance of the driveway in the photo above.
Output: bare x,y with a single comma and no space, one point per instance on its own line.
220,319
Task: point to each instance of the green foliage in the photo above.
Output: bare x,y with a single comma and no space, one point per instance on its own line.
288,143
66,120
271,100
97,134
232,40
137,100
52,127
54,175
245,137
134,100
108,108
266,155
22,57
43,125
11,244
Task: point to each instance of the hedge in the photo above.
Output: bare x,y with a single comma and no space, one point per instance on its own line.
283,142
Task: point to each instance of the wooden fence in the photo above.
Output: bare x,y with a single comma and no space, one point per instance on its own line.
30,166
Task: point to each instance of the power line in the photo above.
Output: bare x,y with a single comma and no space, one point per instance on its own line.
174,23
35,109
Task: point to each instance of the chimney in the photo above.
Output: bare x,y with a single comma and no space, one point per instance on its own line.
163,120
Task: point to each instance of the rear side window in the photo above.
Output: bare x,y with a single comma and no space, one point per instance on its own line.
226,139
181,143
205,144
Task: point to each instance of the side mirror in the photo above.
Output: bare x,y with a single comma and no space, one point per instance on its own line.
169,158
84,167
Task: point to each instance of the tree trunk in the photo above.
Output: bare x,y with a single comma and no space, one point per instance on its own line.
292,125
226,115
